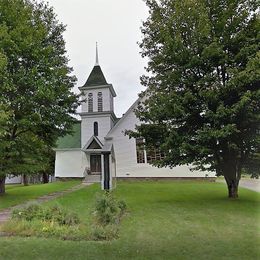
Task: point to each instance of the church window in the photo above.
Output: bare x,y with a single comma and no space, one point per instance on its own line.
154,154
96,128
140,152
90,102
100,102
145,155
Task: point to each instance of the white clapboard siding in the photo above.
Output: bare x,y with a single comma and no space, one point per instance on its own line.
70,163
87,127
125,154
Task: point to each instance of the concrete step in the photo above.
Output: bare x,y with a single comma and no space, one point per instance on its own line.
92,179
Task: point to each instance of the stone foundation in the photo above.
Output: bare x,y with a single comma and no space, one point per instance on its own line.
209,179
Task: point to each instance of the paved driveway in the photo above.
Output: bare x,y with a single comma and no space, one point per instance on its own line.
251,184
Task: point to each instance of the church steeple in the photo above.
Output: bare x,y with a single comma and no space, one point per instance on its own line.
96,77
98,105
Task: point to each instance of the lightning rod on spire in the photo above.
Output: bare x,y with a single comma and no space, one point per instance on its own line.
96,64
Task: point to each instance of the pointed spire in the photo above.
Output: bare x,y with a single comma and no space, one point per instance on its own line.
96,64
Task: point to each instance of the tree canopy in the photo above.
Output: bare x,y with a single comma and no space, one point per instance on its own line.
35,84
202,101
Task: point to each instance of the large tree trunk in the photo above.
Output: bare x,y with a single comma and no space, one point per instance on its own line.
45,177
2,185
25,180
232,175
232,188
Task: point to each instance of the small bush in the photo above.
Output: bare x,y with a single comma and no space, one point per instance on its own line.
122,205
107,232
108,210
71,219
28,213
107,215
53,214
60,216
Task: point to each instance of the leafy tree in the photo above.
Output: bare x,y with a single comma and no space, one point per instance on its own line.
47,164
35,85
202,103
252,167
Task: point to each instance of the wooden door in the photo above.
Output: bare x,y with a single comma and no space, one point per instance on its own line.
95,163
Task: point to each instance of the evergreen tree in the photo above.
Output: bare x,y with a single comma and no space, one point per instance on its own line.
35,85
203,97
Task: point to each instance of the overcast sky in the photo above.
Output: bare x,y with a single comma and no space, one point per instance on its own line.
115,25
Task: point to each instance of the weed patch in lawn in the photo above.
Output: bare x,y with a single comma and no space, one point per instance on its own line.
57,222
45,229
55,214
40,221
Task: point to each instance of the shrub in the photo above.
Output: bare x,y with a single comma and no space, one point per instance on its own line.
28,213
108,210
53,214
107,232
71,219
122,205
63,217
107,215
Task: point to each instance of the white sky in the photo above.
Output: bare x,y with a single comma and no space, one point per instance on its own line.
115,25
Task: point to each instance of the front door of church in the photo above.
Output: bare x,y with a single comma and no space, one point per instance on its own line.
95,163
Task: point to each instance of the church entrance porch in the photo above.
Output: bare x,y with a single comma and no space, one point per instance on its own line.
101,162
95,164
100,169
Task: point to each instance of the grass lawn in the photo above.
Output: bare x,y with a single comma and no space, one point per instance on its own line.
166,220
16,194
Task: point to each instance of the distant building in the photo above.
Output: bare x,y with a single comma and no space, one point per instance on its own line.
13,180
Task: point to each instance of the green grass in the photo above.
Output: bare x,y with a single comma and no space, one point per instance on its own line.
16,194
166,220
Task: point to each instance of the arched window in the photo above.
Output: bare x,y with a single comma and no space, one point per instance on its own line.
100,102
95,128
90,102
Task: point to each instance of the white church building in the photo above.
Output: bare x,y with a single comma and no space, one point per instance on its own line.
99,150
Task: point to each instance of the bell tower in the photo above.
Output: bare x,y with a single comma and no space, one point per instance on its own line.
97,114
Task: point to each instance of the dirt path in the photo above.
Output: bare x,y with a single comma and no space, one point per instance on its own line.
6,213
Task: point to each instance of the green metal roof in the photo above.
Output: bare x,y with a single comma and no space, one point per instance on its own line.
72,140
96,77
